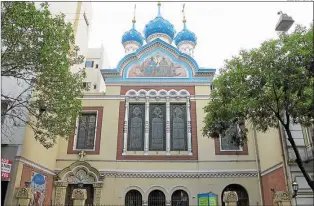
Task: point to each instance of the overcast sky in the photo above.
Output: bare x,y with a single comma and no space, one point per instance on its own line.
222,28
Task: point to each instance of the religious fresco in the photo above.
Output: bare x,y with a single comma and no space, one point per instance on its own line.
39,185
157,66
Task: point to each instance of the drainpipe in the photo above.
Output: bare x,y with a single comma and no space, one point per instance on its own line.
284,150
258,163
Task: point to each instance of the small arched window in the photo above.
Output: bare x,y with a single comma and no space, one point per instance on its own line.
156,198
243,197
133,198
180,198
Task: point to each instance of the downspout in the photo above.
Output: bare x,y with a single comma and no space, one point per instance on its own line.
258,163
284,150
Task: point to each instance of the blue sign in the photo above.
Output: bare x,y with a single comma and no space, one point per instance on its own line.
207,199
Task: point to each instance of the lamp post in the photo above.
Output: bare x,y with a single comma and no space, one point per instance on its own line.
284,23
295,187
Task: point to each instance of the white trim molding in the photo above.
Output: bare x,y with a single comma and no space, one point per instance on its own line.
273,168
33,164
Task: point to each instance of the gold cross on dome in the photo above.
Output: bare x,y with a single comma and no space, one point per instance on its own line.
82,154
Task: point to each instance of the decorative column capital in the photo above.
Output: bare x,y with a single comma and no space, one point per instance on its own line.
24,193
282,196
61,184
230,196
79,194
98,185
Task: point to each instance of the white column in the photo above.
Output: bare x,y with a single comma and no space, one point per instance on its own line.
167,127
146,140
189,126
125,128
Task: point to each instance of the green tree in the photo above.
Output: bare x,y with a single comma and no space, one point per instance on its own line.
269,87
37,52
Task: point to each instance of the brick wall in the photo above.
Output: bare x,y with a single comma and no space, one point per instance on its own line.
273,180
26,176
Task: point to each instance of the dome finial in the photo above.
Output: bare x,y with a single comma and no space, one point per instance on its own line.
134,20
159,4
183,13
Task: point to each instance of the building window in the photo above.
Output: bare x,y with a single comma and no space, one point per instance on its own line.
136,127
89,64
157,128
96,66
180,197
227,144
86,131
133,198
87,85
162,123
178,127
156,198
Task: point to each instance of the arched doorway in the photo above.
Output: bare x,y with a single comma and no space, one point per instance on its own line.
133,198
180,198
156,198
243,197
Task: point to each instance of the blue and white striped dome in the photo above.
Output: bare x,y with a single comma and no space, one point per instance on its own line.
185,35
133,35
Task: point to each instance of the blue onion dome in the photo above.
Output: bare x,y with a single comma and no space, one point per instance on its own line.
185,35
159,25
132,35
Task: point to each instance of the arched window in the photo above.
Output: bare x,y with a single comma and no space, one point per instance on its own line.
156,198
243,197
180,198
133,198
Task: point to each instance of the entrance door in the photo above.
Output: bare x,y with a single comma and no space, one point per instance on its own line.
4,187
90,194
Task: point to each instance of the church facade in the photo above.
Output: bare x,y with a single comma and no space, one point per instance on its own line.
141,142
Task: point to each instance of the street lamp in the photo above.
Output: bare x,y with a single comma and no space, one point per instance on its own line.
284,23
295,187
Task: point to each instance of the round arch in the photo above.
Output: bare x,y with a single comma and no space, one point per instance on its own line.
133,198
180,187
157,198
133,187
157,187
243,196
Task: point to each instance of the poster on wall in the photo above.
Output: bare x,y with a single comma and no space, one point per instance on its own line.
207,199
39,185
6,165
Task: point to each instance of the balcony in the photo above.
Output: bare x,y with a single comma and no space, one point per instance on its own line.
306,153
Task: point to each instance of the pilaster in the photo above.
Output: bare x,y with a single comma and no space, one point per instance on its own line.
146,136
125,127
168,127
97,193
60,194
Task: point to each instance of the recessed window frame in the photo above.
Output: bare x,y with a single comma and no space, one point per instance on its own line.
77,129
229,150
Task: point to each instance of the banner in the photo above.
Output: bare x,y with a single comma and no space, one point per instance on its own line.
207,199
5,168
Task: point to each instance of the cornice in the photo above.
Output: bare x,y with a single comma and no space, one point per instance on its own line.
117,174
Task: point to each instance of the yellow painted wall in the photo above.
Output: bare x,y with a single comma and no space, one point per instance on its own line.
34,151
202,90
115,188
270,151
108,143
113,90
